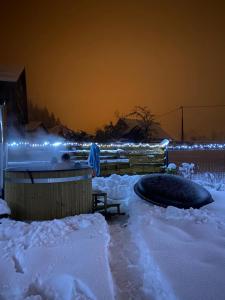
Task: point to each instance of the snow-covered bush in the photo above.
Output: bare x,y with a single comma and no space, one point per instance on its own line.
171,169
187,170
211,180
210,177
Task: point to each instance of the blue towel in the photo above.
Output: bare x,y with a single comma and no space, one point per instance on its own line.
94,159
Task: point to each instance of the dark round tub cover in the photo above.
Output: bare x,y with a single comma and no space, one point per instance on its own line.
172,190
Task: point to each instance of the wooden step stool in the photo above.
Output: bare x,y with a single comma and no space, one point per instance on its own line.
99,202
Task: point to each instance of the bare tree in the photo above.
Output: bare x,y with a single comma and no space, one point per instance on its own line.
146,120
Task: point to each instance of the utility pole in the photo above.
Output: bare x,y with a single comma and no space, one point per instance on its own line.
181,109
182,123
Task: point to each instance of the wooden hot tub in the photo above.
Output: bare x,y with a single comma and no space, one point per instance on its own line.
48,194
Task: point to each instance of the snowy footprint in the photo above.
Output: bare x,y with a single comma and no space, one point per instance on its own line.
59,287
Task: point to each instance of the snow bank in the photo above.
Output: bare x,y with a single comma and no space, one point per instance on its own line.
117,187
4,209
181,252
185,248
61,259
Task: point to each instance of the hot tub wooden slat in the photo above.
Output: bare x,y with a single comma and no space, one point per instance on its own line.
45,201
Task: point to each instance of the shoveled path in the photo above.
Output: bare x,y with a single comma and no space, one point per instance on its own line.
124,256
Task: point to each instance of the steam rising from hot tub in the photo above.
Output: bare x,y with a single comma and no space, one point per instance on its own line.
36,151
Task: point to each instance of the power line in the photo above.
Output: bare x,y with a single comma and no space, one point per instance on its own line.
188,106
167,113
181,109
194,106
204,106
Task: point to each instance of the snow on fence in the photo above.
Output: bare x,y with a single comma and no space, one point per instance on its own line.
129,158
115,158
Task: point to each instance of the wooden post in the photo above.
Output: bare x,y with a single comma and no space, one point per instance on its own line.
182,124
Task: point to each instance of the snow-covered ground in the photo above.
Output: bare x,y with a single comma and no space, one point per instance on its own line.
181,252
61,259
151,253
187,248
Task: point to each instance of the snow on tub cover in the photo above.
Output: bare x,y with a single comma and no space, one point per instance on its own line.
172,190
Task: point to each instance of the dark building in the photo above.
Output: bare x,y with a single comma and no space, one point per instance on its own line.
13,94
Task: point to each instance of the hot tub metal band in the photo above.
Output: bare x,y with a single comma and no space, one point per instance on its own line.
48,180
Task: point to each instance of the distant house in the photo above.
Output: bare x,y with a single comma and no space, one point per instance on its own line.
61,130
36,126
130,130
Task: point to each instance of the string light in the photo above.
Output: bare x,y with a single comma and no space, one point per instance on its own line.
211,146
116,147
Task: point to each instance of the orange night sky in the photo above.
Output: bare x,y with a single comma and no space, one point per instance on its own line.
87,59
